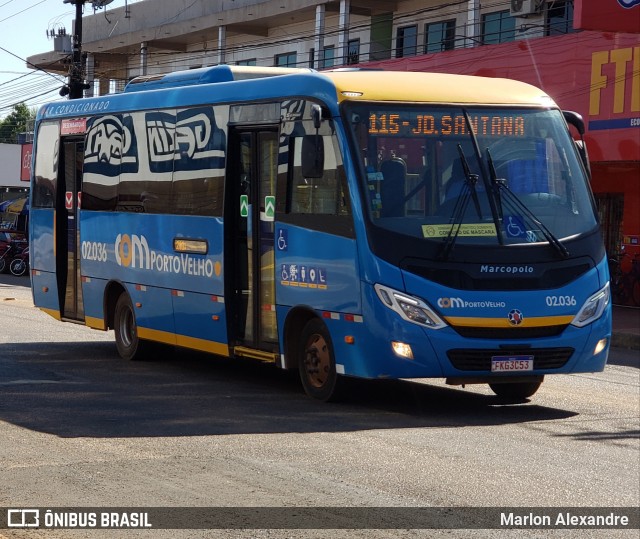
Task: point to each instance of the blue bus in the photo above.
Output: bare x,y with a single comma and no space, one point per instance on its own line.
348,223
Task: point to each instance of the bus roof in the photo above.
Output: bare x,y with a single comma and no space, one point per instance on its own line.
364,84
207,75
246,84
410,86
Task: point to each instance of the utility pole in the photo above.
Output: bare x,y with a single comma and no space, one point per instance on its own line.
76,85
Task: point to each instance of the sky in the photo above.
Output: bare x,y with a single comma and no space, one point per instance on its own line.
23,33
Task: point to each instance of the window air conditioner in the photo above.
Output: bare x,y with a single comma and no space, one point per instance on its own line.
519,8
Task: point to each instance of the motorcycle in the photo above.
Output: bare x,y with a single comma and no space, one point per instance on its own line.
14,249
20,263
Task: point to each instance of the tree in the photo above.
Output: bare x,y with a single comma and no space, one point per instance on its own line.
19,120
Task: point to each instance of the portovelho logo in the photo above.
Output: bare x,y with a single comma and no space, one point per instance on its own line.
459,303
133,251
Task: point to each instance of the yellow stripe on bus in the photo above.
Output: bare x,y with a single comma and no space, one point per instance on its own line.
203,345
541,321
95,323
182,340
51,312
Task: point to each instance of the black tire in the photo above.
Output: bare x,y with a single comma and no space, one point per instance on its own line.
516,390
317,364
18,267
635,292
129,345
3,265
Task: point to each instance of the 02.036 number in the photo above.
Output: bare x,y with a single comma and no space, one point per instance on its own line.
92,250
561,301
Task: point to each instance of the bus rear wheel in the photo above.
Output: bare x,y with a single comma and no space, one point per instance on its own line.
516,390
129,345
316,363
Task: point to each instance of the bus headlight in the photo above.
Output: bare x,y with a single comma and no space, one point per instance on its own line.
593,307
410,308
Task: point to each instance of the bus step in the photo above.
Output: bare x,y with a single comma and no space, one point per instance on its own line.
267,357
80,321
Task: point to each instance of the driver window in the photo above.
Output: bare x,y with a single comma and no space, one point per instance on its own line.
325,195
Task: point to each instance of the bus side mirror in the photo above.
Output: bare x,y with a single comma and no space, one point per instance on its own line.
574,119
312,156
316,116
584,155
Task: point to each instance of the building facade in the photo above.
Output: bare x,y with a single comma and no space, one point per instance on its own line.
14,185
585,54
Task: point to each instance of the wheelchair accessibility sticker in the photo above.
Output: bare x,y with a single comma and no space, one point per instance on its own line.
303,276
281,240
515,227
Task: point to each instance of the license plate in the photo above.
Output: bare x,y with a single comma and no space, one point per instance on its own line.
511,363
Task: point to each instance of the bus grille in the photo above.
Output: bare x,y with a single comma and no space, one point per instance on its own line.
461,277
509,333
480,360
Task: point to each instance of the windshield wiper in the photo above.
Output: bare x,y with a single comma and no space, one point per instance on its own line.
471,180
467,191
487,182
511,200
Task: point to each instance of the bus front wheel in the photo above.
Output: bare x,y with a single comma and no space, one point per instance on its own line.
129,345
516,390
316,363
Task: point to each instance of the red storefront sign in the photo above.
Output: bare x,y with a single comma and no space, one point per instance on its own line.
25,162
607,15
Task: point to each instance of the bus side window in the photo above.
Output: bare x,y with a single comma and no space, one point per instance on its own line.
325,195
46,165
108,146
198,196
199,161
154,190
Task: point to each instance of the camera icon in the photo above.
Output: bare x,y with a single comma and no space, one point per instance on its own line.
23,518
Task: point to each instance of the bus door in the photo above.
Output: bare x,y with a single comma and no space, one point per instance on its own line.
68,230
249,254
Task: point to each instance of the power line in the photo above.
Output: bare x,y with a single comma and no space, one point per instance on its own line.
8,2
22,11
37,68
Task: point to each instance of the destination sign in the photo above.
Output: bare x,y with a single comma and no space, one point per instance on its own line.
407,124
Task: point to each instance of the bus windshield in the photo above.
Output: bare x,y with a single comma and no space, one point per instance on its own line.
471,175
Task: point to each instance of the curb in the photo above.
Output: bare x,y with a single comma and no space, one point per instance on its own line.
629,341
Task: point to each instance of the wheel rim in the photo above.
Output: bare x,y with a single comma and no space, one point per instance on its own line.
317,360
127,328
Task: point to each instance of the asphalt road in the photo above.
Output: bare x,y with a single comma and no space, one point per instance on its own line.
80,427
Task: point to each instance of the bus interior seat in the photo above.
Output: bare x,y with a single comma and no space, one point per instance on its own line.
456,183
527,176
392,188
